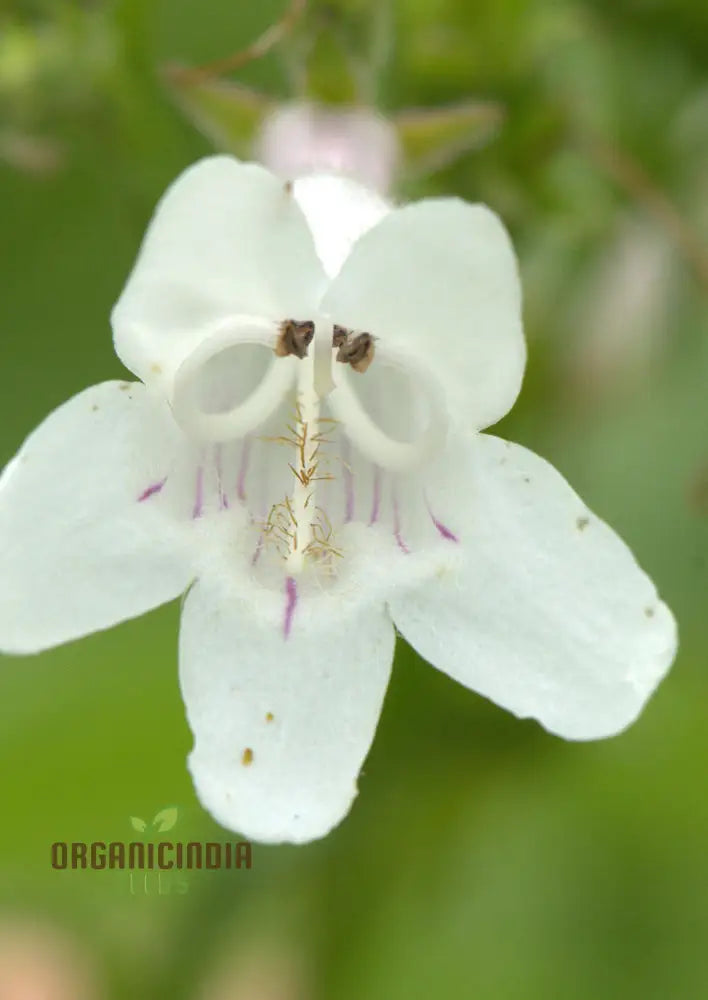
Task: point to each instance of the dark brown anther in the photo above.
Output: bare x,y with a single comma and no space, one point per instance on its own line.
339,335
294,338
355,349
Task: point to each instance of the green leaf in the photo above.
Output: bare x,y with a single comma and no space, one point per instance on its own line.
432,138
138,824
165,819
228,114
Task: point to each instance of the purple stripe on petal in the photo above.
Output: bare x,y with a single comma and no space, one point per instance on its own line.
199,494
445,532
348,477
290,602
243,470
218,459
376,503
257,552
397,528
152,490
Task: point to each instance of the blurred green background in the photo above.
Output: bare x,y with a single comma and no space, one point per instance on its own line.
483,857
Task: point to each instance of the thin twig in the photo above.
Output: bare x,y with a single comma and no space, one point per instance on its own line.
271,37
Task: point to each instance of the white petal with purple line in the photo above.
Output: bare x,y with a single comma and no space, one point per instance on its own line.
282,722
548,613
89,535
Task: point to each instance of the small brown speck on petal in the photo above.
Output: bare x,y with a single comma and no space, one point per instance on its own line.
269,717
247,757
582,523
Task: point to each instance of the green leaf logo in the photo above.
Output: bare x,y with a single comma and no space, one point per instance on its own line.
138,824
165,820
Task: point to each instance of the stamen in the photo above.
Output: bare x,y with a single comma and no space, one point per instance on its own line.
306,468
355,349
294,338
296,525
321,546
339,335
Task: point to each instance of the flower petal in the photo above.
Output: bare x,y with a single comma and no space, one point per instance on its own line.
438,279
548,615
338,211
283,713
299,138
86,539
228,238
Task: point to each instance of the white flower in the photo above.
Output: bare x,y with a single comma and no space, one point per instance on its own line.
303,450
